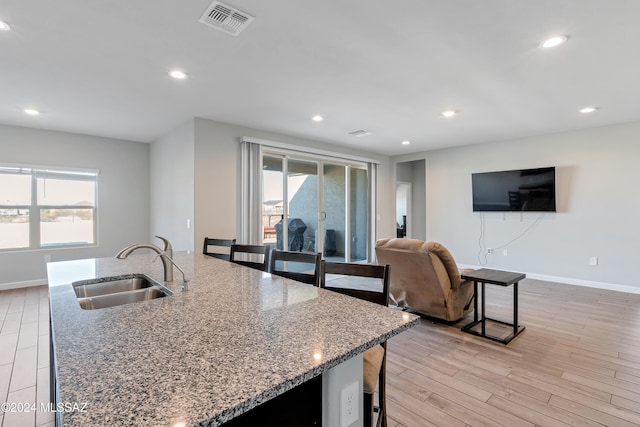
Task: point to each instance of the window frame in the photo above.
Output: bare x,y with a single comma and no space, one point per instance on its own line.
36,172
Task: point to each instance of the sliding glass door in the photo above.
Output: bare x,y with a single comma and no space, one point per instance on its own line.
302,198
358,203
325,204
272,199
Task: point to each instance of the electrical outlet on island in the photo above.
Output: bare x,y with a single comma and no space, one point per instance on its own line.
349,404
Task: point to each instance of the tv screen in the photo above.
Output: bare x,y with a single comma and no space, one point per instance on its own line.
528,190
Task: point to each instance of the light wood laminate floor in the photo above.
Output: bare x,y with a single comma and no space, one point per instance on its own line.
577,363
24,354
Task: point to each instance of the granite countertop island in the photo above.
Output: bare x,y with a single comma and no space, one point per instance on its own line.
235,339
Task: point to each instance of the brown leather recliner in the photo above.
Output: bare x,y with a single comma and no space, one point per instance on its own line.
425,278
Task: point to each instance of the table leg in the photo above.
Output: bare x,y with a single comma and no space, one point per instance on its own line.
475,300
515,309
483,316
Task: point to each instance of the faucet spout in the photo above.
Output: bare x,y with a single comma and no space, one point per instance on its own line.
184,277
167,252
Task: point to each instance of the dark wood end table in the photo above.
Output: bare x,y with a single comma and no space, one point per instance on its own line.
493,277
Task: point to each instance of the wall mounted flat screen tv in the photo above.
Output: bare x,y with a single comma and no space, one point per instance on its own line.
524,190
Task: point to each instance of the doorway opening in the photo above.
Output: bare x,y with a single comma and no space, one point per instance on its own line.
411,201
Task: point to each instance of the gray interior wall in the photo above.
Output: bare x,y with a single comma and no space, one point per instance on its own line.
123,193
596,185
172,187
217,177
404,172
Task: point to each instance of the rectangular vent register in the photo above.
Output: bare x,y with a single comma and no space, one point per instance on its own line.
226,18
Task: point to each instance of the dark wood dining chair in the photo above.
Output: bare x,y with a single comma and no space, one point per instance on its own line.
247,253
301,266
375,358
218,243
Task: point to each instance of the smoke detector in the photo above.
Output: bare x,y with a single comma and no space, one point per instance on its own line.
360,132
226,18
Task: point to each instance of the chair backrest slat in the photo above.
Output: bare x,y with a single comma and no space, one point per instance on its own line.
225,243
278,258
362,270
251,249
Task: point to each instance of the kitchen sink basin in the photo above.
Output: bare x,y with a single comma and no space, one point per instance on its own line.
111,285
118,290
121,298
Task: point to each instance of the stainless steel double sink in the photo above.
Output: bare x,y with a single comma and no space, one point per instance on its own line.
118,290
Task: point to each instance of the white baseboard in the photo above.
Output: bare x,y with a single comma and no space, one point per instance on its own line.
25,284
571,281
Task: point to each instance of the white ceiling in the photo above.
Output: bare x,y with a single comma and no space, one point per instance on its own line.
100,67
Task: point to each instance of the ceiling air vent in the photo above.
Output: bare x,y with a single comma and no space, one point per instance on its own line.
360,132
226,18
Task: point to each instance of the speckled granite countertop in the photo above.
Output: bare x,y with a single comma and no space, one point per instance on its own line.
235,339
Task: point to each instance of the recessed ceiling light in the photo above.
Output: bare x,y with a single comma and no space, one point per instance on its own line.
177,74
449,113
4,26
554,41
406,142
317,118
31,111
587,110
